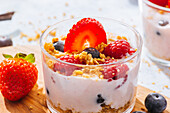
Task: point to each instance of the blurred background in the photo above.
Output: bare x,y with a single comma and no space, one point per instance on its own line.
32,17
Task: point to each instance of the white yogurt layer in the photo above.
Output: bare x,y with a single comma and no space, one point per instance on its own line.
157,36
81,93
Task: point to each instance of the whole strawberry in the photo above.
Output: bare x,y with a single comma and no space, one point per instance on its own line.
17,76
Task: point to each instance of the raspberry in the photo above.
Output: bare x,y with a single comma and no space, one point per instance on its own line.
65,68
69,59
109,72
115,71
117,49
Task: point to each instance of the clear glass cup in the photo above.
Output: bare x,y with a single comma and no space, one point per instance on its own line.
156,25
70,94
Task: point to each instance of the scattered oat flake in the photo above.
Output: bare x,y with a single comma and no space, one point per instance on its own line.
145,61
53,33
131,61
159,70
100,9
23,35
161,12
49,17
30,39
66,4
133,26
54,17
64,14
37,35
150,17
72,16
30,23
166,86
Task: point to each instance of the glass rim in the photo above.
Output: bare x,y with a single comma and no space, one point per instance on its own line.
121,61
156,6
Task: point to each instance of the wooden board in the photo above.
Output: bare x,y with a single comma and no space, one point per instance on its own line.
35,101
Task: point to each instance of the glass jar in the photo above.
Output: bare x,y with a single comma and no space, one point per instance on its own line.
67,93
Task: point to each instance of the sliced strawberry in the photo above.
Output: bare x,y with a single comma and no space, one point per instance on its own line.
168,3
162,3
85,33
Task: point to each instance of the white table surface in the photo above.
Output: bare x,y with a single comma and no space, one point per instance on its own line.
32,15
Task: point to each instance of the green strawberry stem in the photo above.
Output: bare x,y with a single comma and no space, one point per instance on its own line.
29,57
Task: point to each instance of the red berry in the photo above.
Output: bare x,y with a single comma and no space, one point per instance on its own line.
65,68
115,71
17,78
117,49
69,59
85,33
162,3
168,3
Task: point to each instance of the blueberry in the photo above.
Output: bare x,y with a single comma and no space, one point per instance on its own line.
47,91
139,112
59,46
158,33
94,52
163,22
155,103
5,41
100,99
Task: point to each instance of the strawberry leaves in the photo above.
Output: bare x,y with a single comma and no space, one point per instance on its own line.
29,57
20,55
7,56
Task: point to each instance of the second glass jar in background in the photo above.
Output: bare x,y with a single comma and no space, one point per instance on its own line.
156,25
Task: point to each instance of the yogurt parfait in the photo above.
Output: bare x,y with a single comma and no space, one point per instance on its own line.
91,66
156,24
